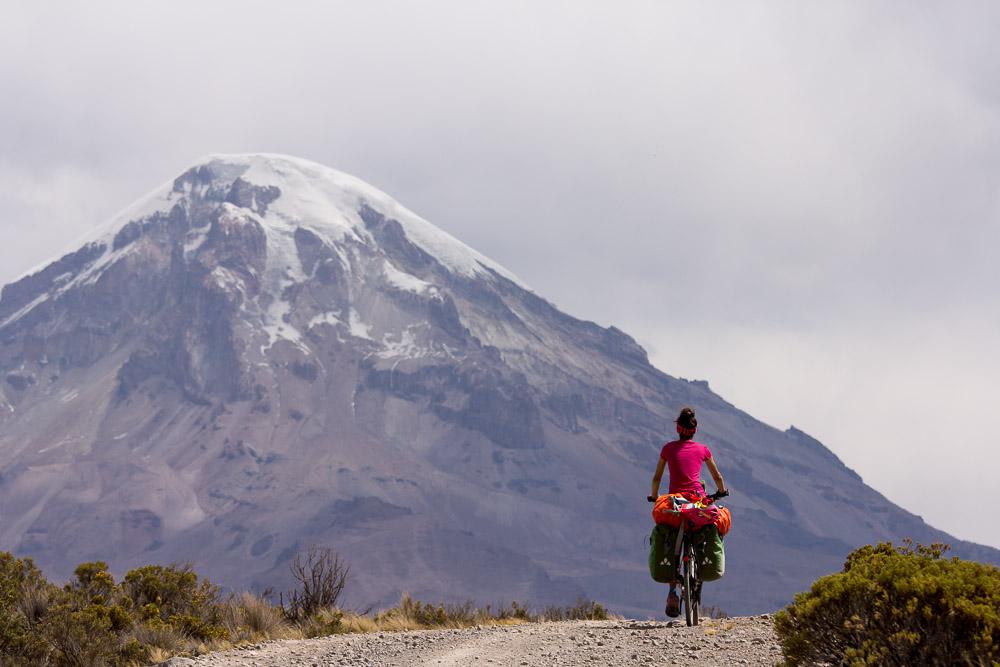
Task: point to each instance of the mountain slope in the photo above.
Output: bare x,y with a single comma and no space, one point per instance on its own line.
266,353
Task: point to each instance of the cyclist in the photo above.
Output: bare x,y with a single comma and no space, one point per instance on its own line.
683,458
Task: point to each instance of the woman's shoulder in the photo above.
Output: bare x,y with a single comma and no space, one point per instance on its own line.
702,446
670,446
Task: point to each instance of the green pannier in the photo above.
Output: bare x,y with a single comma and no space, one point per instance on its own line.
710,553
708,548
662,561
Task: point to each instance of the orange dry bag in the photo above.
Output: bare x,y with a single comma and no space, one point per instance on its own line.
666,512
724,520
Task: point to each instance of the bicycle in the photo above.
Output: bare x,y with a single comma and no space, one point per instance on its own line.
687,566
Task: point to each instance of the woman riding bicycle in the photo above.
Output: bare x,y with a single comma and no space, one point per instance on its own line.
683,458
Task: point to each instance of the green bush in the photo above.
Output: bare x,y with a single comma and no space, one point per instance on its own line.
89,636
896,606
173,590
94,622
24,598
86,623
172,595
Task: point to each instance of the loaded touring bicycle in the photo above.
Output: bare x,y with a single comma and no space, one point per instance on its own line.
687,548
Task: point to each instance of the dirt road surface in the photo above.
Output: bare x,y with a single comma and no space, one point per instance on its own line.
736,641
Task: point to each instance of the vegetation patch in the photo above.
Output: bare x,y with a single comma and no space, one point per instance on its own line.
159,611
896,606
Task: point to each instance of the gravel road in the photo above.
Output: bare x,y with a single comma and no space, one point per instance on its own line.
736,641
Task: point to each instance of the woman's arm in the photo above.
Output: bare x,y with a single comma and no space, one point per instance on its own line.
720,484
656,479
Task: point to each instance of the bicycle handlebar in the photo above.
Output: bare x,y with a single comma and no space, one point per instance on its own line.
713,496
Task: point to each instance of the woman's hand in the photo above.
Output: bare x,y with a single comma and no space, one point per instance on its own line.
651,499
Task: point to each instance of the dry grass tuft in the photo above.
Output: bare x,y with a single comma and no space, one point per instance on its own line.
249,618
34,602
164,637
158,655
412,614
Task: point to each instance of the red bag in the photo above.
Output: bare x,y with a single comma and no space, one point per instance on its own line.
699,515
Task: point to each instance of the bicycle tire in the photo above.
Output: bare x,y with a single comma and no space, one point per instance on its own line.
696,598
689,614
695,587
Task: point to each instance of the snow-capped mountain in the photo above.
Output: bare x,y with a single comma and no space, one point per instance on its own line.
266,353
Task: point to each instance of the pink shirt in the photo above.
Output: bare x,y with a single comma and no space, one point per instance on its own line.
684,459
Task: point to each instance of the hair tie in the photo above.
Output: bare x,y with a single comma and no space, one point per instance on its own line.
686,432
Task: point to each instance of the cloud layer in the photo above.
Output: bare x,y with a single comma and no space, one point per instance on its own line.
797,202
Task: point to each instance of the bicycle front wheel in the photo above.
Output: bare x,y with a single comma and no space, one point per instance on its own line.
690,615
696,598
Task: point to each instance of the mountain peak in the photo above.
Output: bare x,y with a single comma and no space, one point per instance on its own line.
285,197
297,193
326,200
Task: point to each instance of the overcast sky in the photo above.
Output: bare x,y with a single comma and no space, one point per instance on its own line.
799,202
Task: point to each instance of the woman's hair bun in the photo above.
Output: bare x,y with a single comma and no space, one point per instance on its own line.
687,418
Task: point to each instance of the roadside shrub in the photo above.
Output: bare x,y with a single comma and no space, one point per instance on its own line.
172,595
714,612
166,638
463,613
583,610
20,641
321,575
260,617
323,624
94,580
896,606
89,636
422,613
412,614
36,598
93,621
86,623
171,589
513,612
247,616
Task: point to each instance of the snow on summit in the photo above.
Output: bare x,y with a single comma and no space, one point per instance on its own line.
326,199
313,196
